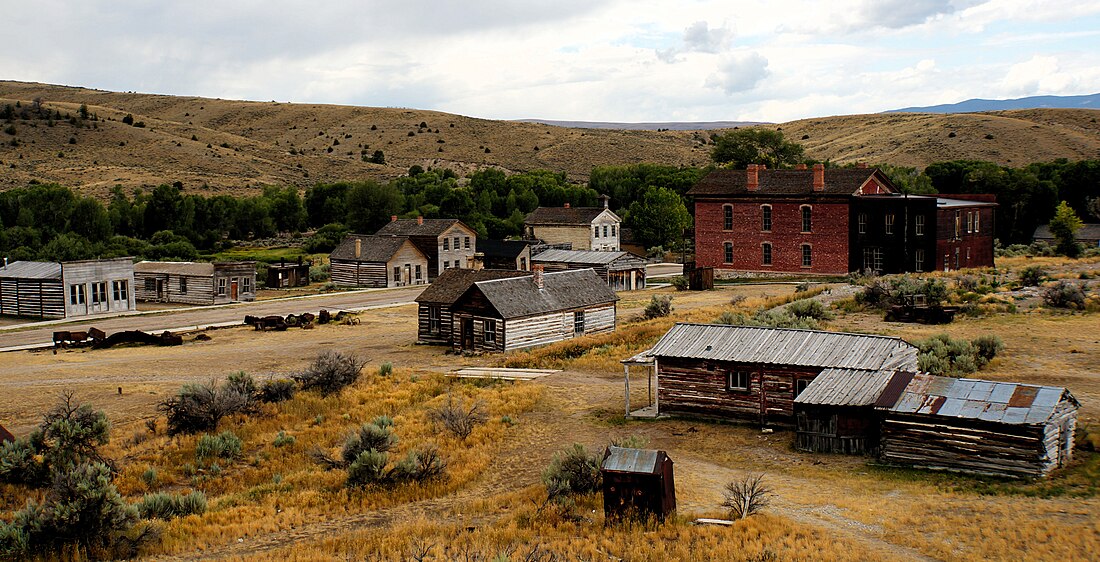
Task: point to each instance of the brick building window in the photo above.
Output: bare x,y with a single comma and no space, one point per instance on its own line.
889,224
727,252
766,218
738,380
727,217
977,221
918,225
958,225
767,250
969,222
807,218
862,221
918,261
807,256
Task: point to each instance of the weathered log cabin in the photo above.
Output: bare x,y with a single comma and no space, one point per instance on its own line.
836,412
504,254
195,282
754,374
284,275
541,308
446,243
637,483
984,427
435,320
622,271
378,261
67,289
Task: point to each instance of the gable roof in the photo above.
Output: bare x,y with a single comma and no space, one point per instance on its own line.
637,461
845,387
199,269
782,346
585,257
1089,232
501,248
1002,402
562,290
453,282
31,270
374,248
566,216
838,182
412,227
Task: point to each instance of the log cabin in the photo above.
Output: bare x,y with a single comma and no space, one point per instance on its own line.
622,271
378,261
984,427
67,289
195,282
836,412
506,314
435,319
284,275
446,243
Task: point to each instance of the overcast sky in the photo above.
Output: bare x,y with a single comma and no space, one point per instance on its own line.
596,60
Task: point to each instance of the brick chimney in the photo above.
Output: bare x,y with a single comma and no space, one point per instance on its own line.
536,270
800,166
393,218
566,205
753,177
419,220
358,248
819,177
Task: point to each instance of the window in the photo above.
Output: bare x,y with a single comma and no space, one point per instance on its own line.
968,254
595,232
76,294
872,259
958,224
523,264
578,323
800,385
434,312
456,242
918,260
969,222
728,252
183,285
446,244
121,290
457,264
490,331
977,221
605,231
397,274
738,380
807,218
419,275
918,225
767,249
862,220
99,292
246,284
466,243
613,231
889,224
807,256
221,286
766,218
150,284
727,217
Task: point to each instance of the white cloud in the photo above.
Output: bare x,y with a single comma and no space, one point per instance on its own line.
738,73
698,38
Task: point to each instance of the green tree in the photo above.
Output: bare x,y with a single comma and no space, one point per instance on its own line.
1063,226
908,180
370,205
740,147
659,218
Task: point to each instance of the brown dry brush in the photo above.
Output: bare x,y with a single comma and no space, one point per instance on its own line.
457,418
331,372
747,496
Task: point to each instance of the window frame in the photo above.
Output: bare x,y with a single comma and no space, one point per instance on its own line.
727,217
99,292
765,218
613,231
969,222
223,286
918,225
446,244
183,285
435,319
397,274
739,376
596,231
807,218
767,255
918,260
246,284
466,243
977,221
861,223
727,252
578,323
489,330
800,386
888,228
807,255
120,290
77,294
419,272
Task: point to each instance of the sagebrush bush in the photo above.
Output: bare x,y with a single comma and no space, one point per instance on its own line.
225,445
277,390
1064,294
680,283
572,472
419,465
987,347
659,306
166,506
386,369
1032,276
282,439
366,469
199,407
331,372
369,437
943,355
888,291
810,308
458,418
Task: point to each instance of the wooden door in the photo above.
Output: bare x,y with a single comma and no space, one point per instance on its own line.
160,289
468,333
233,289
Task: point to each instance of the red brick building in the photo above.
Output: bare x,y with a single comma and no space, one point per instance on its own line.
818,221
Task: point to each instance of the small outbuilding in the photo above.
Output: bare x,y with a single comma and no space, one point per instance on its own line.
984,427
195,282
67,289
637,483
836,412
622,271
435,319
284,275
378,261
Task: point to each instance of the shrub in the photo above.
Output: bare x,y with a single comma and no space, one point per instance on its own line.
330,372
169,506
747,496
736,300
19,464
225,445
1032,276
386,369
1064,294
282,439
277,390
987,347
802,287
572,472
243,384
199,407
659,306
457,418
71,433
369,437
631,442
810,308
382,421
368,468
946,356
883,292
149,476
418,465
680,283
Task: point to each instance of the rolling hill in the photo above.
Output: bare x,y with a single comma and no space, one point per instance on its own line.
224,146
1090,101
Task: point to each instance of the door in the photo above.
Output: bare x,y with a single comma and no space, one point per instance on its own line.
160,289
408,275
468,334
233,289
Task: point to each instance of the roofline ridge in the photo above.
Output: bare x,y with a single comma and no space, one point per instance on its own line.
897,338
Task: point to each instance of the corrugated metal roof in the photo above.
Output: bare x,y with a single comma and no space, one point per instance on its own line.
31,270
1003,402
780,346
845,387
584,256
621,459
518,297
197,269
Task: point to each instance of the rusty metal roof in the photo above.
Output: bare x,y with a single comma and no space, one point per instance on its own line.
31,270
1003,402
621,459
781,346
845,387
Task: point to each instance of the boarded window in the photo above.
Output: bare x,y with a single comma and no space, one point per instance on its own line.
738,380
490,331
767,251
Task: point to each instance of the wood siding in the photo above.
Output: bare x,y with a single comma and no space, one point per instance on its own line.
556,326
43,298
108,271
358,274
424,334
580,237
351,273
200,289
833,429
698,387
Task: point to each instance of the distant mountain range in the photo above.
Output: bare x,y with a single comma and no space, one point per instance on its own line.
669,126
1091,101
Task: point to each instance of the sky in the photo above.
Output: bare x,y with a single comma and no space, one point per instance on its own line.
591,60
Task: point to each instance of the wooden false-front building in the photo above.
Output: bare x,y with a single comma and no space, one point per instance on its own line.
195,282
435,320
637,483
378,261
622,271
754,374
505,314
984,427
67,289
284,275
446,243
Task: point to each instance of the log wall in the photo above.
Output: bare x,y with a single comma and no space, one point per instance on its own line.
832,429
43,298
446,321
358,274
200,289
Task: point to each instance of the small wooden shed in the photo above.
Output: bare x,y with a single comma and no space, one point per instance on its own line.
283,275
637,483
984,427
836,411
195,282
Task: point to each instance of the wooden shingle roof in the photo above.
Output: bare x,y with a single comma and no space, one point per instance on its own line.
412,227
838,182
566,216
509,249
562,290
373,248
452,283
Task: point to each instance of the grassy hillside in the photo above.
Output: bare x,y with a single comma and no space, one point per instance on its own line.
229,146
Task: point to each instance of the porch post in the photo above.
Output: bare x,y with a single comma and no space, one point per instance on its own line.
626,376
